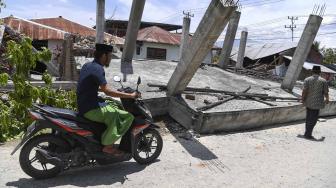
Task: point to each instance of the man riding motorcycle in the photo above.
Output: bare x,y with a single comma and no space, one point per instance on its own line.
91,80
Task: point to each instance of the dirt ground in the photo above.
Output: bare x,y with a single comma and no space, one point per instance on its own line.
272,157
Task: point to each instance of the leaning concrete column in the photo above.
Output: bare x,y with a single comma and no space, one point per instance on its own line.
131,36
185,36
100,21
224,58
211,26
241,52
301,52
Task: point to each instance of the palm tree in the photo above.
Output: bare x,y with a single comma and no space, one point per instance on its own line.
317,46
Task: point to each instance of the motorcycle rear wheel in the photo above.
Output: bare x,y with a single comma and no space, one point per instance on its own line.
26,163
148,146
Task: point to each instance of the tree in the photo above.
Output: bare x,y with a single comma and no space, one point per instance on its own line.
2,4
14,109
329,56
317,47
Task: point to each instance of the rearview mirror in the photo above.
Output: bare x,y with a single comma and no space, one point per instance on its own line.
139,80
117,79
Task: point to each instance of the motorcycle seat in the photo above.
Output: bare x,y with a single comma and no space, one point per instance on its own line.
96,128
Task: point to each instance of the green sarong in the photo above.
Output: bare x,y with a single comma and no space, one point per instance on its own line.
117,121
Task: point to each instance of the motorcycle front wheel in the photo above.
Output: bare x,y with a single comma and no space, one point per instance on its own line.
148,146
29,160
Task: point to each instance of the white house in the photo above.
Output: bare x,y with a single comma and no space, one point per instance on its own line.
157,43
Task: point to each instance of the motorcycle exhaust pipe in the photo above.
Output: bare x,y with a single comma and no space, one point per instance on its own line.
44,157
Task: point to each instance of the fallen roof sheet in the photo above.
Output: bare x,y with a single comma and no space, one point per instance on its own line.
260,51
309,66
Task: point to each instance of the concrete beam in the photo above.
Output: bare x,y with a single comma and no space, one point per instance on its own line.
185,36
242,47
230,36
100,21
211,26
131,36
302,51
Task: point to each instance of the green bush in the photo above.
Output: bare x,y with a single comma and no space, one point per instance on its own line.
14,111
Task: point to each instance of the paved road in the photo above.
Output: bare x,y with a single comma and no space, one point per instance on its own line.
273,157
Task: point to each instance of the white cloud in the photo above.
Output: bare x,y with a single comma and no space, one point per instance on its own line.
170,11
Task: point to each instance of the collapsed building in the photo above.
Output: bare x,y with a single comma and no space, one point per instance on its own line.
210,99
273,59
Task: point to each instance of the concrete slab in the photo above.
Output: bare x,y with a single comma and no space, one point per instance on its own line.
233,115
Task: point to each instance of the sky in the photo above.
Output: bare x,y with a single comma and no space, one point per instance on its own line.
265,20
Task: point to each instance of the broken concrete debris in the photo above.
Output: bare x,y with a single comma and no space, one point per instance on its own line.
261,98
212,105
190,97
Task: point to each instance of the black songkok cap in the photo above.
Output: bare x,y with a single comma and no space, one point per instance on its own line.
316,68
104,48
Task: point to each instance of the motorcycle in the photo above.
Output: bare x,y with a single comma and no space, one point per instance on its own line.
60,139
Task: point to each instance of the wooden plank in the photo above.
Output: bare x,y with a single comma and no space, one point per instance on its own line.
236,94
261,101
206,90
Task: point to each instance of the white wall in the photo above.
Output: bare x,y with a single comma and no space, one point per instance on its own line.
172,52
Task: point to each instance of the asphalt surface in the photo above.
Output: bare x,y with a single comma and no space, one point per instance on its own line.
274,157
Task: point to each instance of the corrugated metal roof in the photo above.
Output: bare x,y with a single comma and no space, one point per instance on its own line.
34,30
260,51
75,28
158,35
66,25
54,29
309,66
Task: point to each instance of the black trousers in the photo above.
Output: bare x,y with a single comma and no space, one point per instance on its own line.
311,120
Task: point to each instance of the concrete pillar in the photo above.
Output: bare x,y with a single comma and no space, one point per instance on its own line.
100,21
302,51
185,36
132,30
211,26
224,58
242,47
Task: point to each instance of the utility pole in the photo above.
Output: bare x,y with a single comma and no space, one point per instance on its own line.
185,33
188,15
292,26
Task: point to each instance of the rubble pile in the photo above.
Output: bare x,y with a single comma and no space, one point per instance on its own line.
260,73
85,45
88,42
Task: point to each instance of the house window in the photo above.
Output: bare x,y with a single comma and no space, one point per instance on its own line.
156,53
138,50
